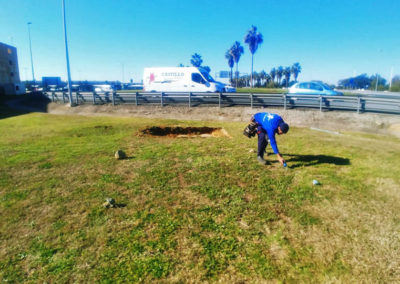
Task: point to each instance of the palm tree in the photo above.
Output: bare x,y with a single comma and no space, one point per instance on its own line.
263,76
253,39
268,79
236,51
256,77
279,73
196,60
295,69
286,73
272,73
231,62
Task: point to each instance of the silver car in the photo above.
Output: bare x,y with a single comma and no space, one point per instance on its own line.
313,88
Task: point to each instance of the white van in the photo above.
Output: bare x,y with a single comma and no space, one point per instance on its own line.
181,79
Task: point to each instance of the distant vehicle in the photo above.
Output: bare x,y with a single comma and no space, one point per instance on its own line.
103,88
313,88
181,79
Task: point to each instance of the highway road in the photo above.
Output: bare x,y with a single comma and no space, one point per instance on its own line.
371,102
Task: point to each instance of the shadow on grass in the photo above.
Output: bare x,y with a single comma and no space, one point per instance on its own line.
311,160
22,104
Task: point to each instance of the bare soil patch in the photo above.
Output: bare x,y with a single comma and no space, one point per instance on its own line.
182,132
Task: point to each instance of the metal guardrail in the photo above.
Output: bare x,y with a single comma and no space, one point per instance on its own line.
193,99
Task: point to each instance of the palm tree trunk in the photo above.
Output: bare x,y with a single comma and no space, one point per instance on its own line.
237,63
231,75
251,70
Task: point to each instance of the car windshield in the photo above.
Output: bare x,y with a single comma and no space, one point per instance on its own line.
326,86
207,76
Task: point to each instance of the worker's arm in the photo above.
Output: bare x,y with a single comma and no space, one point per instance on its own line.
280,158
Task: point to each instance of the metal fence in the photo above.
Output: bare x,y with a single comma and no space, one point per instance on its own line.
287,101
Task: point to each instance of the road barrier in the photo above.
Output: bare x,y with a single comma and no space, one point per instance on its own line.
287,101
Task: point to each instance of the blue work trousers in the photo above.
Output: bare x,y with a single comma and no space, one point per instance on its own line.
262,141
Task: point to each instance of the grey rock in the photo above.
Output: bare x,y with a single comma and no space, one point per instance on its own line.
119,155
110,203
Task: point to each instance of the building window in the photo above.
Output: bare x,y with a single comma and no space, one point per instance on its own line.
9,50
10,62
17,88
12,74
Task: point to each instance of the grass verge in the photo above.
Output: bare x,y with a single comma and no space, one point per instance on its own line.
195,209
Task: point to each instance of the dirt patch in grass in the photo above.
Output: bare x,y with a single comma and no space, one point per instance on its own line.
182,132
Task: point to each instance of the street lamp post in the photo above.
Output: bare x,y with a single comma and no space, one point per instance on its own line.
67,57
30,48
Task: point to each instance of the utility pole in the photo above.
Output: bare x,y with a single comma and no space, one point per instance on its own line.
30,48
67,57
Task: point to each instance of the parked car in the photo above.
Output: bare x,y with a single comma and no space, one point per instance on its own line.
313,88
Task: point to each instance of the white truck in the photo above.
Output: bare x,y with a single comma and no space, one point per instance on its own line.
181,79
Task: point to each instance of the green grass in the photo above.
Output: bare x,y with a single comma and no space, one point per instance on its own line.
197,209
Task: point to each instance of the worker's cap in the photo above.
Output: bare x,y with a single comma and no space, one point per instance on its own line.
284,126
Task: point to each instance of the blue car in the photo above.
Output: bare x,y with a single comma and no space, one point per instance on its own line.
313,88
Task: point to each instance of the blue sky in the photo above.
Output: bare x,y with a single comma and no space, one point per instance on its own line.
116,39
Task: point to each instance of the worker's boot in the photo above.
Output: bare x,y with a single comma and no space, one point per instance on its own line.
261,160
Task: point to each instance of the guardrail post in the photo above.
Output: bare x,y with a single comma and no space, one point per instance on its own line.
77,97
358,104
320,103
251,100
161,99
94,97
113,98
52,97
219,99
136,95
190,99
63,95
284,101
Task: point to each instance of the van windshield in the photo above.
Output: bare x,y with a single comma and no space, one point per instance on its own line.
207,76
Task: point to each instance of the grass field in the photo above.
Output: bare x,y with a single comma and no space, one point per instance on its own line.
193,209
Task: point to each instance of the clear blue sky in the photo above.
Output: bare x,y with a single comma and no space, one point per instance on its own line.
331,39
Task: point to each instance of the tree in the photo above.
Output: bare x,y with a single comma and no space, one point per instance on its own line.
268,79
286,73
206,68
279,73
231,62
253,39
196,60
236,51
295,70
378,83
359,82
256,77
263,77
272,73
395,84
